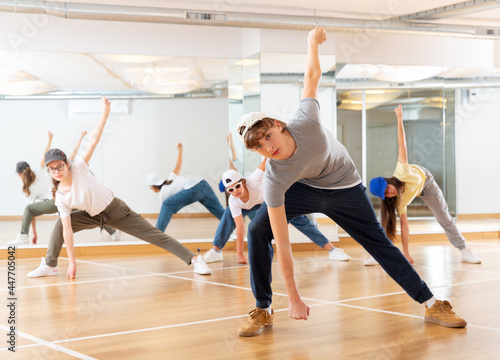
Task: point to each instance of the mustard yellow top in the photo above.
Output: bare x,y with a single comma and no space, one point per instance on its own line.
414,179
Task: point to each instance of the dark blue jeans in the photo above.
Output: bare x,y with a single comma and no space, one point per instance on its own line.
302,223
352,211
201,192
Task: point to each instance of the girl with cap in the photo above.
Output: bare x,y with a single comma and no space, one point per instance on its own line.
398,191
37,188
177,192
76,188
309,170
246,197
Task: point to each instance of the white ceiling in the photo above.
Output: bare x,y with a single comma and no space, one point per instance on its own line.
85,72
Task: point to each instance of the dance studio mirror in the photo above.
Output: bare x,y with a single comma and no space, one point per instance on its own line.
156,102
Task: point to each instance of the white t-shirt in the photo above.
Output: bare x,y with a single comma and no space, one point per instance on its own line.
41,189
86,192
178,184
255,188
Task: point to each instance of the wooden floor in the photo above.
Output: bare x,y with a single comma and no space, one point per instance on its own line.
154,307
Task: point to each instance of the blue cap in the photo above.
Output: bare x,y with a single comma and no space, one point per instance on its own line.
222,188
378,186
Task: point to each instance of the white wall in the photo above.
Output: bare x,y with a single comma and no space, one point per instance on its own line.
132,146
478,153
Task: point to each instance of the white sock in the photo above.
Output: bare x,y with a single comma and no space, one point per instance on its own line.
333,248
268,310
429,303
218,251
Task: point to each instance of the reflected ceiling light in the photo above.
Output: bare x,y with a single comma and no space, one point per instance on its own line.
170,88
373,92
18,83
403,74
247,62
22,88
134,59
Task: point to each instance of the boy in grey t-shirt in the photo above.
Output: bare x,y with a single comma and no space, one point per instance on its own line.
310,171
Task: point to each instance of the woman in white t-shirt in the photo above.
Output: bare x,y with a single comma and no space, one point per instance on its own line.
246,197
398,191
176,192
37,187
76,188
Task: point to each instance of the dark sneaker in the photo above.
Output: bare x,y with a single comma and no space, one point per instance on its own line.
260,320
441,313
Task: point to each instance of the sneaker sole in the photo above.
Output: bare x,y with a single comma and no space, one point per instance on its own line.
471,262
444,323
339,259
212,261
44,275
256,332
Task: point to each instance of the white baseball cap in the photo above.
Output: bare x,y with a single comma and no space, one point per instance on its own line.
247,121
230,177
155,179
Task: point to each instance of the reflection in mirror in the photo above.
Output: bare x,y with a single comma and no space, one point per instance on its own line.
157,101
367,95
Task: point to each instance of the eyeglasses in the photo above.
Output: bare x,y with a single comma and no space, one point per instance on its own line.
59,167
232,188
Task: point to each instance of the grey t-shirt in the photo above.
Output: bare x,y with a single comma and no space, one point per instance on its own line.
320,161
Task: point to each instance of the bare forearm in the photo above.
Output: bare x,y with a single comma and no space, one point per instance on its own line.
69,242
33,225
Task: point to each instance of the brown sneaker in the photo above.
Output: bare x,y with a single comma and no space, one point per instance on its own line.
259,321
441,313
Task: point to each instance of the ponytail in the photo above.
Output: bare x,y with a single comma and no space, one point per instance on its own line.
389,206
166,182
28,177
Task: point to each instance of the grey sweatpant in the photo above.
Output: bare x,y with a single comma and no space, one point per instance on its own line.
43,207
433,197
121,217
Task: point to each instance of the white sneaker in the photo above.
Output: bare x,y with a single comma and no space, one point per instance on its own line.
116,235
43,270
371,262
21,239
469,257
200,266
338,254
212,256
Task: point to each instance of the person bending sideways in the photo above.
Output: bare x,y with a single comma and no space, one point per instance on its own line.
76,188
309,170
246,196
398,191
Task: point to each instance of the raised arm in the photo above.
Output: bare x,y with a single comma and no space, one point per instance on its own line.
178,165
312,74
77,146
297,308
402,151
97,132
47,148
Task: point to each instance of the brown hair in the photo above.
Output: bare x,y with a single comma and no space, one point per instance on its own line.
253,135
158,187
28,177
56,183
389,207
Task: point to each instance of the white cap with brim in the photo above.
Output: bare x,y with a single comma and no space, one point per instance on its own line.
155,179
247,121
230,177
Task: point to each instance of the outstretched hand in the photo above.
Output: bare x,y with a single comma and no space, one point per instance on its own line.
106,105
50,134
399,112
316,36
179,146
